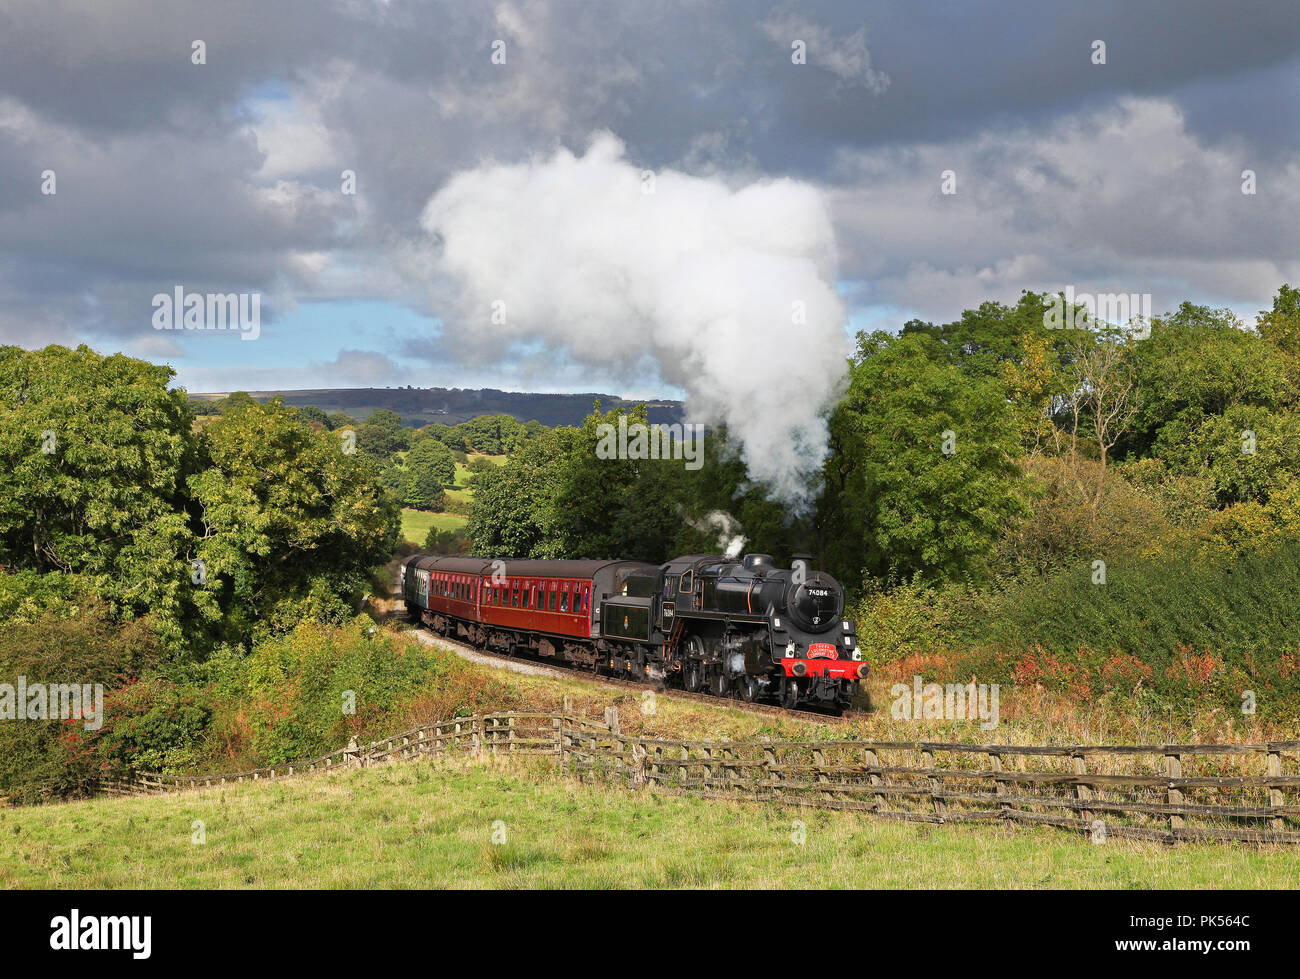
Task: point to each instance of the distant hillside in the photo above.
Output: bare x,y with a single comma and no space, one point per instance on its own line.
420,406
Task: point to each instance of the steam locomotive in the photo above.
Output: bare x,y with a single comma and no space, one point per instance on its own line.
703,622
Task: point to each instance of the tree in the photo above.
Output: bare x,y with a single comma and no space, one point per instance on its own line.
434,459
922,476
94,454
290,525
984,341
312,415
1280,325
1197,362
237,401
384,418
1101,386
378,442
512,511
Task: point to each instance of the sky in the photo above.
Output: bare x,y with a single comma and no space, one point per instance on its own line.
797,152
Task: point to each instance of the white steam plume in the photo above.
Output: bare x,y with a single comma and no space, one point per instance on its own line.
725,292
730,541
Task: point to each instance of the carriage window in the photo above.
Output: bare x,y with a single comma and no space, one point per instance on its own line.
524,602
552,599
564,601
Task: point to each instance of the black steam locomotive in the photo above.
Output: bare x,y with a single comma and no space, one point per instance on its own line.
704,622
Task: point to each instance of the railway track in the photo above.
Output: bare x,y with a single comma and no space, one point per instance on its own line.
541,667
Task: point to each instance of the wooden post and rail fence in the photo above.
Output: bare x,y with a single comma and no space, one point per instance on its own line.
1243,792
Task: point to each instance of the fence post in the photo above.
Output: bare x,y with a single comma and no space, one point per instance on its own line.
1078,765
639,754
769,762
999,787
611,720
872,760
819,759
1174,769
1275,797
927,762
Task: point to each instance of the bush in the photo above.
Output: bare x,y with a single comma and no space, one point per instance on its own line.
305,694
42,760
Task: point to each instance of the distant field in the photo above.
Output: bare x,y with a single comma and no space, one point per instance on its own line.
416,523
430,823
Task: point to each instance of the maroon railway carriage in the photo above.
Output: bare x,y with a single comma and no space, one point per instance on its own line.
557,599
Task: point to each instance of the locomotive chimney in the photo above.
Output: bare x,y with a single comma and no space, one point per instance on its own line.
757,562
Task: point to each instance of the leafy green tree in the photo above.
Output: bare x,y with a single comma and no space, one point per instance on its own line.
452,541
1196,363
512,512
237,401
290,524
1248,453
1281,324
378,442
492,434
385,418
922,476
983,341
94,454
448,435
310,414
432,459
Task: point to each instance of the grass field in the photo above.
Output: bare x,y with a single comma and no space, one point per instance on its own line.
416,523
430,823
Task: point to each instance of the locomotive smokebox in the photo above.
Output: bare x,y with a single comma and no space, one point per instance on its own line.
757,562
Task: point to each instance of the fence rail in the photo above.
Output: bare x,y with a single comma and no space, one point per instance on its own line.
1166,792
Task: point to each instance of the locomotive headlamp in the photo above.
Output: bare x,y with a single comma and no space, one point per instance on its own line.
857,654
790,651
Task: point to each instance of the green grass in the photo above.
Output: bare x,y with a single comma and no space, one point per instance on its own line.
416,523
429,824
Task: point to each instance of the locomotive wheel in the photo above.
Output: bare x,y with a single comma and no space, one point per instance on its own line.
749,689
692,676
692,668
720,684
789,693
